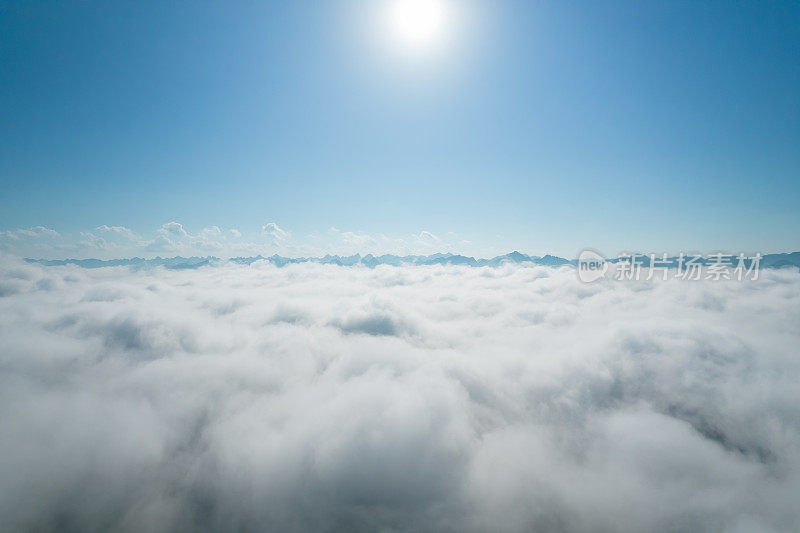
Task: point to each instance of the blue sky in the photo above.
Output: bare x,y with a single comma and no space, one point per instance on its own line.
539,126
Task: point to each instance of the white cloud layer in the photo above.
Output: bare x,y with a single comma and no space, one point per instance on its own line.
316,397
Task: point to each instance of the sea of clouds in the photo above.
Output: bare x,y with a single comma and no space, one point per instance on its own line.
324,398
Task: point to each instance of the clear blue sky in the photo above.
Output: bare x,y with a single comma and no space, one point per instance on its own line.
542,126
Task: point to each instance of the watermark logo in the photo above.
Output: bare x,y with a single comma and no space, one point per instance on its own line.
591,266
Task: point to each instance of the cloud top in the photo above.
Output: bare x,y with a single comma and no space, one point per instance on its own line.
313,397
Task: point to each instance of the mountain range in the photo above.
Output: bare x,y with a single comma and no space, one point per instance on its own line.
767,261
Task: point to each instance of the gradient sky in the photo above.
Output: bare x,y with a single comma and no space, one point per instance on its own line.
540,126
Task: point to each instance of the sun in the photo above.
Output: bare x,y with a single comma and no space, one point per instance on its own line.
418,24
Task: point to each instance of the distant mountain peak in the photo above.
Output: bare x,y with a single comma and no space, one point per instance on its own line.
369,260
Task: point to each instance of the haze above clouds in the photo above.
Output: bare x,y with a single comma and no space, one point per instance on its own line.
417,398
172,238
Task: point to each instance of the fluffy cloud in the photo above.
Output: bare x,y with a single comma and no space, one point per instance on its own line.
173,238
272,229
110,239
429,237
118,230
315,397
111,242
173,229
36,233
424,242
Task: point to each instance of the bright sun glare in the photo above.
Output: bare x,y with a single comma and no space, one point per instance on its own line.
418,24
